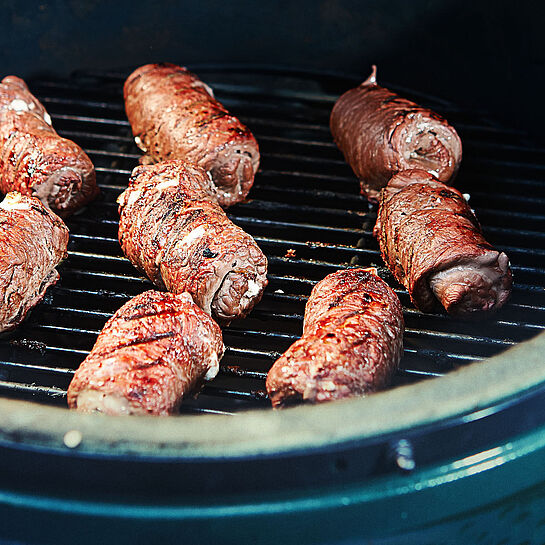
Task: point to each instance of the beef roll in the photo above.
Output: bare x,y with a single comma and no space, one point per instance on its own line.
157,349
34,159
172,228
33,241
432,242
174,115
351,345
381,133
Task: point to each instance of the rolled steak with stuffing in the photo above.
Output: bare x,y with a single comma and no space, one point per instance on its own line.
351,345
156,350
33,241
432,242
381,133
34,159
174,115
172,228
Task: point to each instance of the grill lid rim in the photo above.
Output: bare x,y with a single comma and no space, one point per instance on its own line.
465,392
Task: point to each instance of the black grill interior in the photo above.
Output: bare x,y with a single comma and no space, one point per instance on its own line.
305,199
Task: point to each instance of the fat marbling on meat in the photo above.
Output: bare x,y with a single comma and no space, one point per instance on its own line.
351,345
34,159
172,228
432,242
156,350
381,133
33,241
174,115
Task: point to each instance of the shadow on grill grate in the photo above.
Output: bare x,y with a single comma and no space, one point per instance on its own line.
305,198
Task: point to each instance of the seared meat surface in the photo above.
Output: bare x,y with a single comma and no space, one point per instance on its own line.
174,115
34,159
351,345
155,350
172,228
33,241
432,242
381,133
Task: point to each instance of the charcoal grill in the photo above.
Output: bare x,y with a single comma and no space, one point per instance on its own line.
228,458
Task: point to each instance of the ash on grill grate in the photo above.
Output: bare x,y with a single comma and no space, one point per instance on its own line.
305,199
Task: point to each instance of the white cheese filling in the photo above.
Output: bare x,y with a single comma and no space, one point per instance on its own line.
166,183
13,201
19,105
191,237
214,367
253,289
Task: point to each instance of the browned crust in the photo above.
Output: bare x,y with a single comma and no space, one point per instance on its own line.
154,351
424,227
174,115
34,159
381,133
33,241
351,344
172,229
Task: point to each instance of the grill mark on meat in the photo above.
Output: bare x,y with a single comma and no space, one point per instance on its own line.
191,246
210,118
151,312
39,210
159,369
340,298
174,209
351,343
141,340
392,98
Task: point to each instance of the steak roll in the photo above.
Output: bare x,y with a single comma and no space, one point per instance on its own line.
157,349
380,134
432,242
34,159
172,229
174,115
351,345
33,241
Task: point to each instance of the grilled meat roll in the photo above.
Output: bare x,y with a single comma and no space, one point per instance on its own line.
34,159
33,241
174,115
381,133
172,229
351,345
157,349
432,242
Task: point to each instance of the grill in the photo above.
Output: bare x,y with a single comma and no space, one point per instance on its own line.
411,465
305,199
